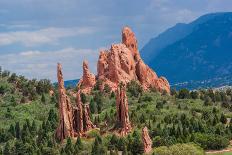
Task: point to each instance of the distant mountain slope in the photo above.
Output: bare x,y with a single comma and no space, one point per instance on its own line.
170,36
69,83
204,53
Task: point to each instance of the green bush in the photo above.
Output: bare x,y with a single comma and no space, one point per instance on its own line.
179,149
134,88
211,141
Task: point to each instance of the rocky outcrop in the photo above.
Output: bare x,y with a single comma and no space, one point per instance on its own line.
73,121
122,63
147,142
65,128
123,122
78,115
88,80
88,125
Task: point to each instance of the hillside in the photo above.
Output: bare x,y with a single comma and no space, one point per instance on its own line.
175,120
201,52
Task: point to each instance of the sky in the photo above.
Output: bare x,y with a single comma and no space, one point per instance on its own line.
36,34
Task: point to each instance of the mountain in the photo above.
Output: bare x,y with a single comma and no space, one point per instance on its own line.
197,51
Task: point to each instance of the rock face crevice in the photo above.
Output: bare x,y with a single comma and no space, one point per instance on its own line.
123,121
122,63
147,142
73,121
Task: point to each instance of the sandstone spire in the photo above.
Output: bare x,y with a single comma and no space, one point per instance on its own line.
147,142
81,117
65,128
129,39
122,111
88,125
88,79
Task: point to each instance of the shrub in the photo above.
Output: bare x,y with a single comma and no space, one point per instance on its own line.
134,88
179,149
210,141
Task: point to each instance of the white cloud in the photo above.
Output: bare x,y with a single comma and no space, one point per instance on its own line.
42,64
43,36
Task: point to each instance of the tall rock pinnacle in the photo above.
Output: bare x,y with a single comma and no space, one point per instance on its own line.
88,80
79,115
65,128
129,39
73,121
82,122
147,142
122,111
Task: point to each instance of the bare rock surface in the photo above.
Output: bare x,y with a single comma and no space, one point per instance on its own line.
121,64
65,128
73,120
122,112
147,142
88,80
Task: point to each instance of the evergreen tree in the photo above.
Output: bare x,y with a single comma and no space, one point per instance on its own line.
93,106
223,119
137,145
33,128
7,149
79,144
43,99
17,130
69,149
13,101
98,147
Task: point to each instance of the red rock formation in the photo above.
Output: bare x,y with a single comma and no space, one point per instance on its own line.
129,39
74,121
65,128
122,63
81,117
147,142
88,125
122,111
88,80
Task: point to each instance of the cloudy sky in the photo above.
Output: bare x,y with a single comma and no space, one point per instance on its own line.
36,34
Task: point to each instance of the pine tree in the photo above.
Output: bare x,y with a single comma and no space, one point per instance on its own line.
98,147
7,149
93,106
43,99
12,130
13,101
69,149
17,130
137,145
79,144
223,119
33,128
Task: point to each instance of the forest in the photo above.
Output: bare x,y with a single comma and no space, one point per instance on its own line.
188,122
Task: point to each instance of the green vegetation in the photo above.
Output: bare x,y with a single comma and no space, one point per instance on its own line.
181,123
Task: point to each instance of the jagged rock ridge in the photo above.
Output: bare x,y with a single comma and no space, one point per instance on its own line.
73,121
121,64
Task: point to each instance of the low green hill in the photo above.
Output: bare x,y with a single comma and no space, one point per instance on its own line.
192,120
